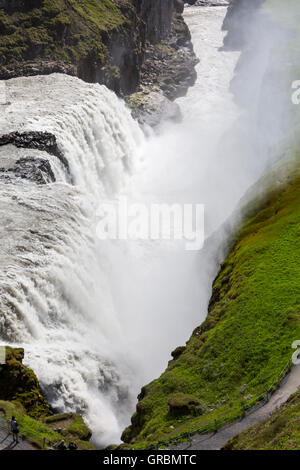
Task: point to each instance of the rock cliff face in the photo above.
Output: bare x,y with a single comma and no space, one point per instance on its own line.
99,41
18,383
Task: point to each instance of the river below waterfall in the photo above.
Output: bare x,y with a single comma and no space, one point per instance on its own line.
98,319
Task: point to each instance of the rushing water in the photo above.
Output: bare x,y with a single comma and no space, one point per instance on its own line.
55,295
99,319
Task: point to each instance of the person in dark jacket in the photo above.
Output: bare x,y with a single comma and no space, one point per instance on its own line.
62,446
14,427
73,446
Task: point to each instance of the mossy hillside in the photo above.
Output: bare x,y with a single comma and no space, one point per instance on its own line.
77,32
245,342
280,432
20,384
61,30
50,431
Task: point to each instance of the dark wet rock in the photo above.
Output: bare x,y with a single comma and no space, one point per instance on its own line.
37,170
170,64
142,393
215,297
44,141
166,74
33,140
38,67
151,107
208,3
177,352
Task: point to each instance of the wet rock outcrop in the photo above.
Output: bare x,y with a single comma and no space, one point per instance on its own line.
38,67
36,170
168,70
18,383
33,140
208,3
170,63
149,106
44,141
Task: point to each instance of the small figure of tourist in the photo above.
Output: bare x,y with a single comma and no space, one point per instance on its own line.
14,427
62,445
73,446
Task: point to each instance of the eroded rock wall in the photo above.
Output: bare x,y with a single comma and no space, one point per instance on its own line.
99,41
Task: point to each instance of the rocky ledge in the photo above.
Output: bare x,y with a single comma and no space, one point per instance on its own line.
18,383
208,3
170,65
32,166
33,140
35,170
38,67
166,74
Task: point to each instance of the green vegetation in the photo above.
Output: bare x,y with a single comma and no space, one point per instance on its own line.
32,429
67,30
20,384
238,353
279,432
21,396
182,404
69,427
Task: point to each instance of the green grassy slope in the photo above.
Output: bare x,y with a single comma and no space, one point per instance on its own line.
96,40
48,432
21,396
245,342
58,29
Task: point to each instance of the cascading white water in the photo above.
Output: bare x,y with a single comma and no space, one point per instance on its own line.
99,319
55,298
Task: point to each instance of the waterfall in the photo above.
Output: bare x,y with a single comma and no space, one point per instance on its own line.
55,297
94,129
99,319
